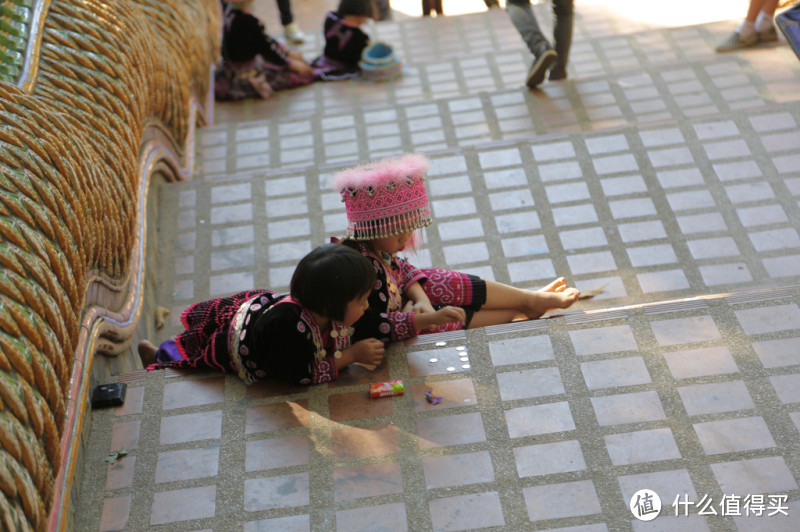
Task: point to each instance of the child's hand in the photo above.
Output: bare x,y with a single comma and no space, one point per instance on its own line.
368,351
300,67
430,320
422,306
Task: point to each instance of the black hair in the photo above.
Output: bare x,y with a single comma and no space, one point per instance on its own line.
359,8
329,277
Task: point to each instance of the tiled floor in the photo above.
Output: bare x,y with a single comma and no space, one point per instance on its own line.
663,173
557,425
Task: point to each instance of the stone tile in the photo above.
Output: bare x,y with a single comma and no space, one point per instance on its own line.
385,517
719,274
555,501
125,435
120,473
631,208
457,206
514,177
778,353
191,427
615,373
549,458
754,476
775,239
737,170
567,192
277,416
661,137
642,446
357,405
787,387
713,130
560,171
531,270
613,287
771,520
466,253
702,223
553,150
292,523
134,401
512,199
621,186
716,397
521,350
466,512
524,246
369,480
701,362
670,157
530,383
782,266
231,214
652,255
577,214
638,231
769,319
749,192
599,340
672,523
667,484
116,512
694,199
283,491
457,230
222,285
627,408
762,215
708,248
734,435
445,431
453,394
261,455
360,442
188,464
615,164
683,177
183,505
435,362
728,149
585,263
519,221
193,392
457,469
539,419
288,229
685,330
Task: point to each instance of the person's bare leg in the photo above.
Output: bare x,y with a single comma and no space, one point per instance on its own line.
485,318
147,352
531,303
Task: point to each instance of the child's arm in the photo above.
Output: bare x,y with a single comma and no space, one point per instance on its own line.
429,320
419,299
368,351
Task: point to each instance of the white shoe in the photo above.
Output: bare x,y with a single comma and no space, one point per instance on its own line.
293,33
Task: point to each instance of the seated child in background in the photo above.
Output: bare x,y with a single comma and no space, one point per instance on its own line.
300,338
253,63
344,40
386,203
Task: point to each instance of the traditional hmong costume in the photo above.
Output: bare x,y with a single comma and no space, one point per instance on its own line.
258,335
253,63
344,44
389,198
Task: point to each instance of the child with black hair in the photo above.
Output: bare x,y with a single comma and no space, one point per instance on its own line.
300,338
254,64
345,41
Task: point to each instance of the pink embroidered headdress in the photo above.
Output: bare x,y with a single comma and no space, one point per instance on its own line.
385,198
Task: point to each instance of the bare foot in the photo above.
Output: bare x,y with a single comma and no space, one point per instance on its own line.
556,295
147,352
557,285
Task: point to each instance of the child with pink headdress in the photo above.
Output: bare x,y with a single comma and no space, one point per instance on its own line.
386,204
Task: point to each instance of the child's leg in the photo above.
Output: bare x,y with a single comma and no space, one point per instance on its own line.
531,303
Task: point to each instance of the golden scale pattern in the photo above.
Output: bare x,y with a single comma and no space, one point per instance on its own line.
69,163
